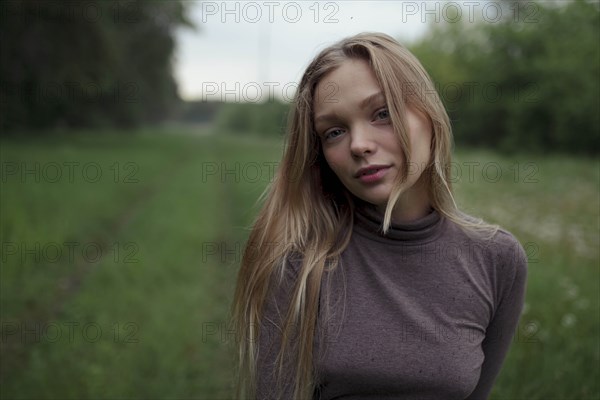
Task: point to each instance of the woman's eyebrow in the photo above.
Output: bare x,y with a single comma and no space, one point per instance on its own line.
374,98
325,118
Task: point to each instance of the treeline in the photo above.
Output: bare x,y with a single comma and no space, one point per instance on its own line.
529,81
87,64
268,118
525,79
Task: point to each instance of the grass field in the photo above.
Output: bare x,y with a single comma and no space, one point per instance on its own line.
119,254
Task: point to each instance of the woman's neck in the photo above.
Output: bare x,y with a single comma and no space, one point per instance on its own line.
413,205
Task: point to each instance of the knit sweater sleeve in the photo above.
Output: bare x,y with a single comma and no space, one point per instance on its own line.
511,278
271,328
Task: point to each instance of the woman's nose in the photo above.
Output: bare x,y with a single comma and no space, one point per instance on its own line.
362,142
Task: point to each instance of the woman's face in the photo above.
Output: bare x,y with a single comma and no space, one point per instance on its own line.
352,121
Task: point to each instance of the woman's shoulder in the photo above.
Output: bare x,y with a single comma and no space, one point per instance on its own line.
490,240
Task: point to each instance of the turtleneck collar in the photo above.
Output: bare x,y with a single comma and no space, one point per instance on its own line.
368,221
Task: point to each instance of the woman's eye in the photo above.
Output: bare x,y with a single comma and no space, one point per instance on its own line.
332,134
383,114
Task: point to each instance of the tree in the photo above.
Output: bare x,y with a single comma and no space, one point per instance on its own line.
528,82
93,63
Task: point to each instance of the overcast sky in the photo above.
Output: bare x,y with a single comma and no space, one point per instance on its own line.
244,49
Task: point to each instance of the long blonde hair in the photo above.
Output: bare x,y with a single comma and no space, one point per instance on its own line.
307,211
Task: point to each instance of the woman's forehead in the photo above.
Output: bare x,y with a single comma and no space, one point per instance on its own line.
353,81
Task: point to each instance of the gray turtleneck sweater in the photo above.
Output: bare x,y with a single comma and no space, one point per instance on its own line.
424,312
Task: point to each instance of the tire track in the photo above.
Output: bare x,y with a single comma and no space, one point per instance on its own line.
14,351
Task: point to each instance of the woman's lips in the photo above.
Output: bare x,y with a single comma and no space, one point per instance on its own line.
374,176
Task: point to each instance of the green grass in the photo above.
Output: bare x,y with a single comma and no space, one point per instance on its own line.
552,206
171,226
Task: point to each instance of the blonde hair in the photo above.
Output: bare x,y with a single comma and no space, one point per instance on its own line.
308,211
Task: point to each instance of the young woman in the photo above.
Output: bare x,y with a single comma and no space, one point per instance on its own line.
361,278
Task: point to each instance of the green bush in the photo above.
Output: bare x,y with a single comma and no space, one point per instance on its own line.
264,119
529,83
